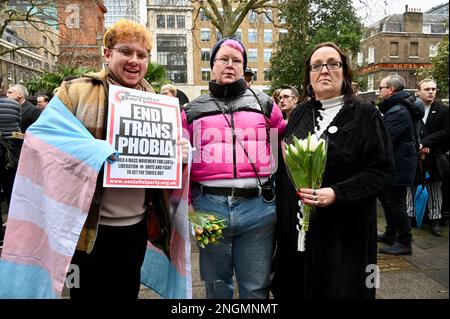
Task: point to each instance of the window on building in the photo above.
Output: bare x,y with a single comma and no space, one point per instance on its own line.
267,36
238,34
177,76
252,55
266,74
370,83
252,16
359,59
433,50
371,55
177,3
160,21
268,16
181,23
282,34
10,73
414,50
267,55
206,75
171,22
205,55
412,80
171,53
252,35
203,17
205,34
426,28
393,49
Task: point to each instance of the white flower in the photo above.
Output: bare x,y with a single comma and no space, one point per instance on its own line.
293,149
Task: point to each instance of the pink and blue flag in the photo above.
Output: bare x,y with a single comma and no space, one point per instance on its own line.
52,193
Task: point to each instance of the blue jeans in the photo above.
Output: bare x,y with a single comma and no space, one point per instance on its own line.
246,249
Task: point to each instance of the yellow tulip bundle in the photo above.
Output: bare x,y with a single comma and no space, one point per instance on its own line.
207,227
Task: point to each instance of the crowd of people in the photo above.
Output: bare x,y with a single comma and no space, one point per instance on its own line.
372,152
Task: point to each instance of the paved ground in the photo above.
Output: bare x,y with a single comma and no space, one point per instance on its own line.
423,275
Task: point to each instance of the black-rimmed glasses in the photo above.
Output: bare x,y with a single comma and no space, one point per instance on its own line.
330,66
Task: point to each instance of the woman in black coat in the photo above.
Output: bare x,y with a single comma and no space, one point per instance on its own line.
339,260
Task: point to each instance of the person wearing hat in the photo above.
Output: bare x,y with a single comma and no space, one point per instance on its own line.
248,75
231,174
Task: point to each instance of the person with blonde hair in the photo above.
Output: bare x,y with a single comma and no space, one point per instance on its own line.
169,89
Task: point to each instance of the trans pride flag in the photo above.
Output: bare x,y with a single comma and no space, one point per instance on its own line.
52,193
53,190
171,278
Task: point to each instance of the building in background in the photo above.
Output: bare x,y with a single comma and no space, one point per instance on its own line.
184,37
27,51
124,9
401,44
170,22
81,32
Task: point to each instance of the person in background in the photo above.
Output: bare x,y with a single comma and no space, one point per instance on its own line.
230,178
401,116
248,75
9,123
433,140
276,96
28,112
288,98
356,88
340,245
169,90
42,101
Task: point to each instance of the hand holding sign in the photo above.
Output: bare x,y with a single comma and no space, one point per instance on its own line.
145,129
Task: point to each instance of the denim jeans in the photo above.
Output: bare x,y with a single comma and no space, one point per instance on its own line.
246,249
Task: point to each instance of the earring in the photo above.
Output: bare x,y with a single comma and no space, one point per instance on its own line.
309,90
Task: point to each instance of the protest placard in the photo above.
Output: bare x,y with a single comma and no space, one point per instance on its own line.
144,128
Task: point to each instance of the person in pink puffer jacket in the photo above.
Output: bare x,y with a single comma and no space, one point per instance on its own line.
235,133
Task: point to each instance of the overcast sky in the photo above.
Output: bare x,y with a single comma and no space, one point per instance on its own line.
377,9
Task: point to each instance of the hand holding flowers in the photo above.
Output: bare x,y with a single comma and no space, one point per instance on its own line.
207,227
305,162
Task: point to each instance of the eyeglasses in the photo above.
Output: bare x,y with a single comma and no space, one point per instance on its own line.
128,53
330,66
285,97
382,87
223,61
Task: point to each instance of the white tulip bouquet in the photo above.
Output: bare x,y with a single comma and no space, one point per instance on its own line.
305,161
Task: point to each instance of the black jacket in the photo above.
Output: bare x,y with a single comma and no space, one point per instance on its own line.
434,135
401,116
29,114
341,240
9,116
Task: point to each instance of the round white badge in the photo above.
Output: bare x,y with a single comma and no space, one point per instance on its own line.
332,129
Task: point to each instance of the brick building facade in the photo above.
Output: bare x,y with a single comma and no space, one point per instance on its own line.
81,32
401,44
